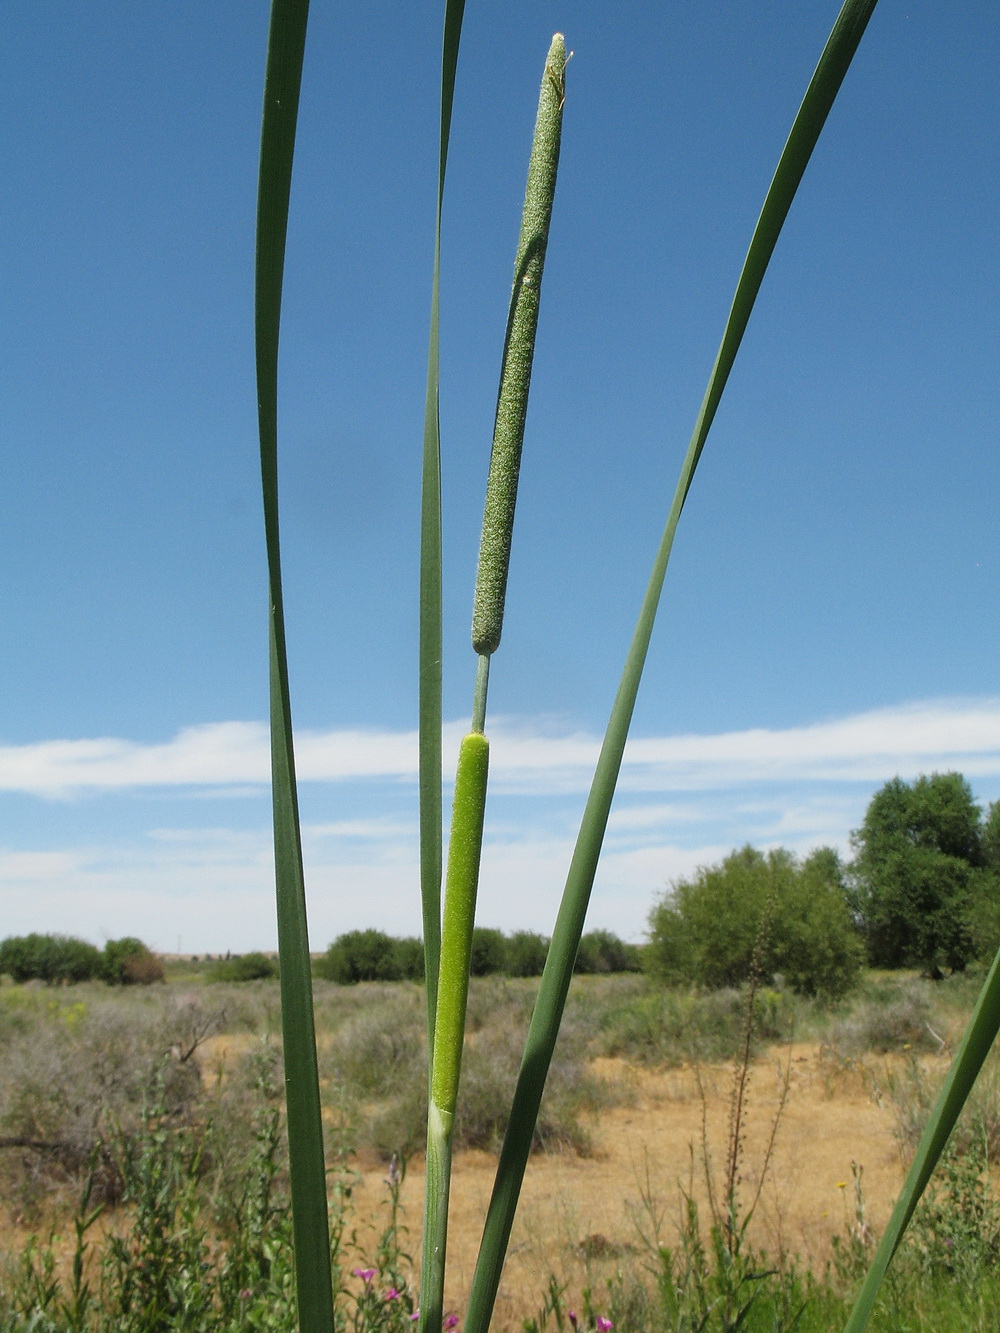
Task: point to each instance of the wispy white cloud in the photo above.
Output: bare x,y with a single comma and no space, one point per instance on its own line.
529,756
684,802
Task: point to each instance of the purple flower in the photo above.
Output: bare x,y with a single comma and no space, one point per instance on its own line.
604,1325
365,1274
414,1316
572,1318
392,1295
451,1321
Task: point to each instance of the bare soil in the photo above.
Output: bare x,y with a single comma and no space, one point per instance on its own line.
580,1217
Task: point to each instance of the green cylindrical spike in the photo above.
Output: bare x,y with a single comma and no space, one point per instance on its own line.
519,350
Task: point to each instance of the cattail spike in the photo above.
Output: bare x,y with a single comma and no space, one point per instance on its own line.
519,350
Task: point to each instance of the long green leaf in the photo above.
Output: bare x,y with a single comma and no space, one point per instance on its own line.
429,726
547,1015
307,1167
979,1038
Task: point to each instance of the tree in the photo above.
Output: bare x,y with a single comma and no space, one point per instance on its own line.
526,953
489,952
770,911
360,955
129,962
603,951
919,870
54,959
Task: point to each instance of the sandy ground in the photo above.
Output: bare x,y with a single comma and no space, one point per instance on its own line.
580,1215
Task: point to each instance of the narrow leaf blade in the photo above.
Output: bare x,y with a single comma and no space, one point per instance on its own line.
431,639
307,1167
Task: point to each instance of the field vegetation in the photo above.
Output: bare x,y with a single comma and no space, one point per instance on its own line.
143,1165
143,1154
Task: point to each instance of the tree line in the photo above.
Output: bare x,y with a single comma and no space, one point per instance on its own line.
61,959
921,891
372,955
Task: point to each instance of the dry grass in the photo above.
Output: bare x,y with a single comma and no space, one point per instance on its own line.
580,1216
625,1134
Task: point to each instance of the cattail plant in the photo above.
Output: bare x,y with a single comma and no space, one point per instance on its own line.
469,809
447,944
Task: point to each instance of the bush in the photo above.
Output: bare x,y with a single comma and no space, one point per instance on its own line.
526,954
54,959
602,951
129,962
410,959
671,1027
792,920
489,952
245,967
361,955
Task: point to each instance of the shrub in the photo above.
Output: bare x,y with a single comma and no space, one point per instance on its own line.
660,1027
887,1019
244,967
707,930
360,955
602,951
526,953
53,959
129,962
489,952
410,959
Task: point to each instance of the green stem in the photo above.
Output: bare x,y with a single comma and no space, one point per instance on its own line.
482,688
461,884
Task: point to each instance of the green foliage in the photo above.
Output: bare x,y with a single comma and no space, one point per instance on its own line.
370,955
602,951
129,962
61,960
670,1027
920,874
194,1259
54,959
489,952
244,967
794,917
526,953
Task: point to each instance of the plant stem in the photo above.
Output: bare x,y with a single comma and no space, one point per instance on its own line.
461,883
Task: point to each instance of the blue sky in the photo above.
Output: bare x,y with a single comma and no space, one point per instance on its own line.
829,618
